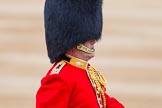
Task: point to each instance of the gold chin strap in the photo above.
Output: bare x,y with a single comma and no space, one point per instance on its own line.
85,49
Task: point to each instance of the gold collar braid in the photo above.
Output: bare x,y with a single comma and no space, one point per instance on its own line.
98,82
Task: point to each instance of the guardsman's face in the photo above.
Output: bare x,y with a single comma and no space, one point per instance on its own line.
81,54
89,44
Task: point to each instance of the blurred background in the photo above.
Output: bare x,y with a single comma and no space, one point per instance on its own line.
129,54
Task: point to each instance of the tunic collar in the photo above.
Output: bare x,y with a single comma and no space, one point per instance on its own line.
76,62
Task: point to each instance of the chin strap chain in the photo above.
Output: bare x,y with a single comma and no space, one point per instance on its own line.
85,49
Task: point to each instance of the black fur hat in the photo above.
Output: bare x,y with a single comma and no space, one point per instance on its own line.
69,23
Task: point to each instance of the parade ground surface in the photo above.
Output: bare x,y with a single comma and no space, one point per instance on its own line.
129,53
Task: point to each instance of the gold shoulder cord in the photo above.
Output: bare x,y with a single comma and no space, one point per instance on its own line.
98,82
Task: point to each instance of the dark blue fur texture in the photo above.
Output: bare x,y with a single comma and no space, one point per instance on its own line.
69,23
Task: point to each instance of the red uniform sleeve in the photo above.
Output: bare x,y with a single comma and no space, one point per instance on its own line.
53,93
112,103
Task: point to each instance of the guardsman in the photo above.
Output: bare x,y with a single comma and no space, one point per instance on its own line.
72,27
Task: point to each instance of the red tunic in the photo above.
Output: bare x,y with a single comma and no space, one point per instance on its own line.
70,88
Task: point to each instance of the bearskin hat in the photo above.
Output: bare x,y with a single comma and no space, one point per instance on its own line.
69,23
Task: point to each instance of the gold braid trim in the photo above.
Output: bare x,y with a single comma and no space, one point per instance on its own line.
98,82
